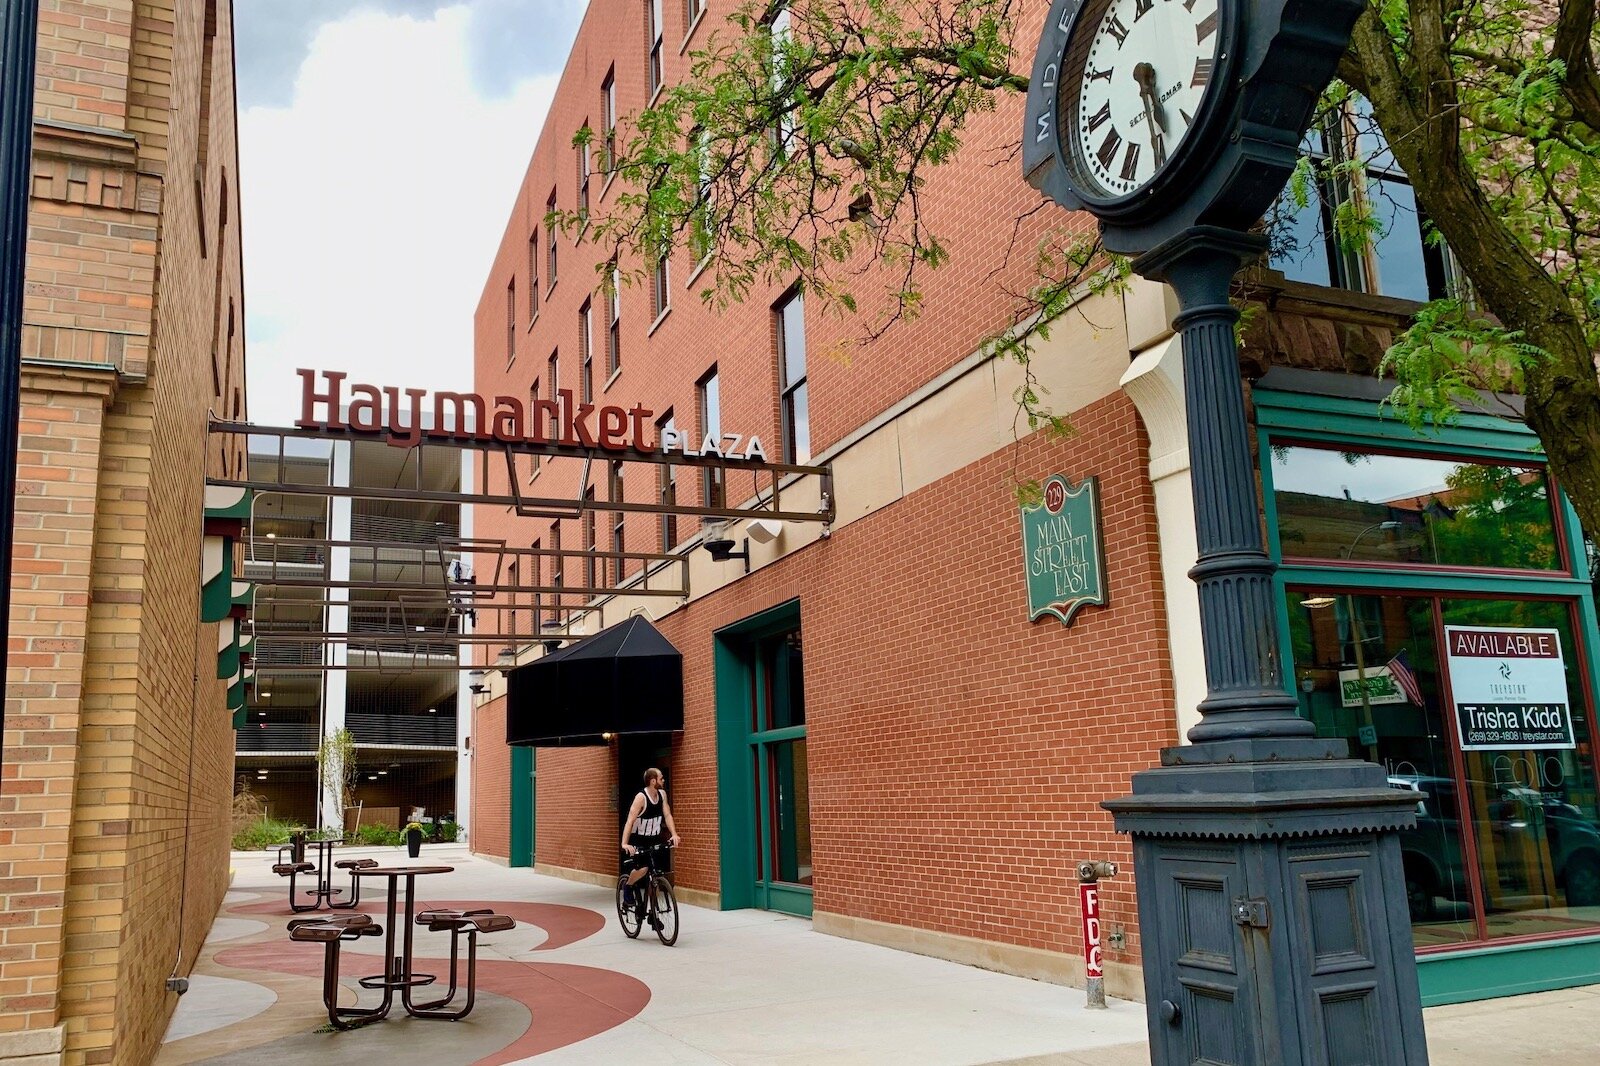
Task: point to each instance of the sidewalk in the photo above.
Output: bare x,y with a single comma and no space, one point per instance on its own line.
566,987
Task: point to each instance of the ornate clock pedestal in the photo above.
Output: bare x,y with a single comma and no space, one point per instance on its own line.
1272,909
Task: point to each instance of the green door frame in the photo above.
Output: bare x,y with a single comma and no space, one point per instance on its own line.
524,795
742,779
1481,971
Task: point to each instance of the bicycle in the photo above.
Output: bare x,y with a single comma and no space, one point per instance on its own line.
660,905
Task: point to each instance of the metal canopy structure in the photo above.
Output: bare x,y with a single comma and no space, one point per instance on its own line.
412,599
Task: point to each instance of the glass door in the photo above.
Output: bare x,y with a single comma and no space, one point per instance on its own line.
777,742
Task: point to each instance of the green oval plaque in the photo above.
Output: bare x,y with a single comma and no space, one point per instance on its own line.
1061,549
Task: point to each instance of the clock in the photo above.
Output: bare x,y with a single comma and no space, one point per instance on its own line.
1137,79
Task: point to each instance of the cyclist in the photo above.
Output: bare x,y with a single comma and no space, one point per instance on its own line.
649,824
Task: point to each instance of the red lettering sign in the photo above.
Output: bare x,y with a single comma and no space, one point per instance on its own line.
1503,644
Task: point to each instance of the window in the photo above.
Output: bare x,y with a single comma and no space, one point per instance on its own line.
513,615
691,11
553,374
660,288
583,180
536,566
558,570
1397,260
608,112
614,323
667,487
585,355
533,277
1359,506
795,406
708,393
700,236
511,322
614,492
533,413
784,133
589,542
653,12
550,243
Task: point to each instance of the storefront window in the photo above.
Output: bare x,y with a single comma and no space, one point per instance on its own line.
1359,506
1491,733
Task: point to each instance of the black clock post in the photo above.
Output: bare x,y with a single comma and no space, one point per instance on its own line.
1272,912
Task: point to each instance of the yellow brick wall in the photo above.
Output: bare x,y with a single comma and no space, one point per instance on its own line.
125,744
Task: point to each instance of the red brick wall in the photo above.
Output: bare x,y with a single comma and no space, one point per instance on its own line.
957,751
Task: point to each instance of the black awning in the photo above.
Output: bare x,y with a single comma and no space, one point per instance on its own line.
625,679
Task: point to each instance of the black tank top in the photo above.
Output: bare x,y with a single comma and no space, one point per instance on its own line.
650,826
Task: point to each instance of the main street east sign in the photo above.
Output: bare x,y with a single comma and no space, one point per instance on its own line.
1062,549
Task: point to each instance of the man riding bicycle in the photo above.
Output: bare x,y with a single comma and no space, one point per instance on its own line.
649,825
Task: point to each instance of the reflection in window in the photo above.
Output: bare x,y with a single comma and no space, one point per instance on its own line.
1370,506
1396,258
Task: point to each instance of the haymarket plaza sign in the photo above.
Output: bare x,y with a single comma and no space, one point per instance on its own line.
469,416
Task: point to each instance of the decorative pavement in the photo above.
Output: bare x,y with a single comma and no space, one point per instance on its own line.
566,986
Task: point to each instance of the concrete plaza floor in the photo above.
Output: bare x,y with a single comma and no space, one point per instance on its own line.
566,986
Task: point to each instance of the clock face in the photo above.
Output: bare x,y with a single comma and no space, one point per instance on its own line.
1132,81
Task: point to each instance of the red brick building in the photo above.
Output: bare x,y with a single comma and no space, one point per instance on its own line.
874,732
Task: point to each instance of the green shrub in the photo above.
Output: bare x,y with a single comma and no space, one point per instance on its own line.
264,833
446,832
377,836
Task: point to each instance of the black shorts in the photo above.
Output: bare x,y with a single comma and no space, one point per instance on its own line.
662,857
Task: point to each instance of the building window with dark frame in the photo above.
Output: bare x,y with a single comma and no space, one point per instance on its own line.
708,399
1398,258
660,288
584,166
550,244
614,323
511,321
608,115
653,13
700,239
590,541
691,11
667,487
514,614
585,353
558,570
536,564
533,277
533,413
615,492
794,401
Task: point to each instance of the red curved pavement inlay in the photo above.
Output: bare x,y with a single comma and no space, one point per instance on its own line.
563,924
567,1003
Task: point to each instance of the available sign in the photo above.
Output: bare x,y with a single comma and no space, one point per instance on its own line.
1378,682
1509,687
1061,546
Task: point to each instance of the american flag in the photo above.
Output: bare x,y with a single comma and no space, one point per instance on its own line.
1400,670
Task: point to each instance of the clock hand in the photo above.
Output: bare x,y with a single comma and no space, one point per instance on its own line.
1145,75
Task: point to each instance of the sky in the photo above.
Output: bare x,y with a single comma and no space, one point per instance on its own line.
381,146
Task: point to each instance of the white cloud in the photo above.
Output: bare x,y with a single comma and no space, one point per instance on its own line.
373,206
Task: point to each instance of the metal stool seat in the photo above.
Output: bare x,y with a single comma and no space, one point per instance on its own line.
355,864
459,923
288,869
329,932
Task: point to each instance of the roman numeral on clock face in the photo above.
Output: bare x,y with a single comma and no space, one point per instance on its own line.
1108,148
1202,72
1141,8
1130,161
1100,117
1101,75
1206,27
1117,30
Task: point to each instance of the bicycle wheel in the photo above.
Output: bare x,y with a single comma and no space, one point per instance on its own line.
665,909
627,915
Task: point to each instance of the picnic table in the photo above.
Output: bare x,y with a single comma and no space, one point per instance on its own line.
322,866
398,973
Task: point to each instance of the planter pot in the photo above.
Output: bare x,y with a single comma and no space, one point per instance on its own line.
414,842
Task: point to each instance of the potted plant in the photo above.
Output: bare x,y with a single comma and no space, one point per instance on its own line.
413,835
